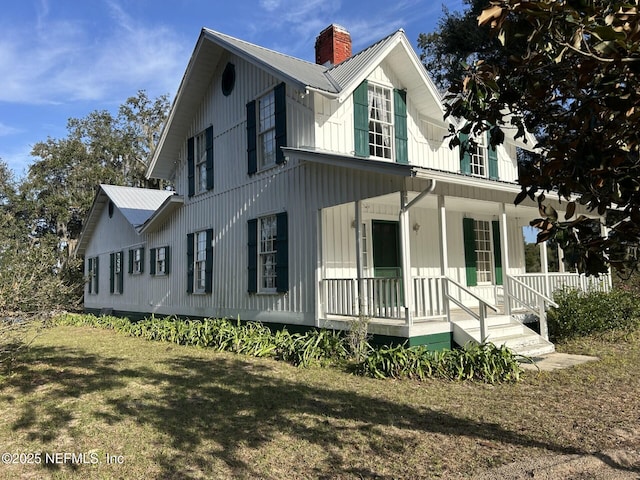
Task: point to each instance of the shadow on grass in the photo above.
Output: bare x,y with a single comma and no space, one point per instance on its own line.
234,404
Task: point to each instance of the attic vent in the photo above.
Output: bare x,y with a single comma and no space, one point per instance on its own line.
228,79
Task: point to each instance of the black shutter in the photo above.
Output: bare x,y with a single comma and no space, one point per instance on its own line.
152,261
209,136
131,254
112,266
470,257
191,166
167,260
361,119
96,266
121,275
282,253
252,251
190,263
465,154
280,111
252,139
141,259
497,251
208,264
400,126
90,272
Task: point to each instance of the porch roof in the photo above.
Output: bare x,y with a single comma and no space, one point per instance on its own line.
404,170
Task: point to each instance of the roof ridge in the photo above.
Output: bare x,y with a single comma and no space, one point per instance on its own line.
366,49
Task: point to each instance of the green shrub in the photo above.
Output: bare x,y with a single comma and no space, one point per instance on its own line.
579,313
486,362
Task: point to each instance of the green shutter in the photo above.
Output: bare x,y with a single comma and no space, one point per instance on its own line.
252,139
112,266
282,253
209,138
190,263
97,268
191,166
208,264
361,119
167,260
90,272
400,125
131,254
152,261
280,111
121,274
497,251
493,160
252,252
470,259
465,155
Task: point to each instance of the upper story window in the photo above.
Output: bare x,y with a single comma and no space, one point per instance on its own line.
200,162
380,121
477,157
266,130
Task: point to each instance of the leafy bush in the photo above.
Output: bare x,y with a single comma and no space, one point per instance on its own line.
580,313
485,362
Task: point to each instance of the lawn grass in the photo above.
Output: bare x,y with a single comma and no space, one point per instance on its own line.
187,413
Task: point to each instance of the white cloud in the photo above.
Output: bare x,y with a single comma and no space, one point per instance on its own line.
56,61
6,130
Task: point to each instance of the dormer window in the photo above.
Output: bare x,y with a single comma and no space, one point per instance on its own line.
477,158
380,121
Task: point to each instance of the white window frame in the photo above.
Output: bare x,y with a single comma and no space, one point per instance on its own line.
161,260
93,276
137,261
266,123
478,157
199,261
200,159
483,235
381,117
267,253
117,271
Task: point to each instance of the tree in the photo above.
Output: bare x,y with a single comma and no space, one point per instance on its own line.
568,69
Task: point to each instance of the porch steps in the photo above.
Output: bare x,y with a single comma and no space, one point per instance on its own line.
503,330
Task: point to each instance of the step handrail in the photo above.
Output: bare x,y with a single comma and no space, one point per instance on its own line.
482,307
543,301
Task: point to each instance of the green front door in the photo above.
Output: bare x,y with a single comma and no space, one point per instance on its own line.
385,237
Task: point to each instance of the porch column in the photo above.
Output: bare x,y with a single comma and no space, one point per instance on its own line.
405,252
444,253
504,244
544,267
359,267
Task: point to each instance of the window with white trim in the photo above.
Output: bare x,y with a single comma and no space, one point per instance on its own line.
267,253
267,130
478,156
117,272
200,261
200,152
137,260
380,121
93,275
161,261
484,255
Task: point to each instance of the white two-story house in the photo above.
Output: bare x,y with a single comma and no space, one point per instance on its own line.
310,194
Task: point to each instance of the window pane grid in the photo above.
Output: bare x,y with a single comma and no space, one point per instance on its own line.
266,129
483,251
478,158
201,162
160,260
267,253
380,121
200,261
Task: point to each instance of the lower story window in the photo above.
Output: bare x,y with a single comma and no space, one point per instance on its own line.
267,253
93,275
200,261
116,272
161,261
484,255
268,262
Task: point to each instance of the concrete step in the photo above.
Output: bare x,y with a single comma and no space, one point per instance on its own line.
503,330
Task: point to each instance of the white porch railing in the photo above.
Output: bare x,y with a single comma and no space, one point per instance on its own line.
546,284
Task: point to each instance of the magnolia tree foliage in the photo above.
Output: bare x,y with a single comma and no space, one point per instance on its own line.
569,70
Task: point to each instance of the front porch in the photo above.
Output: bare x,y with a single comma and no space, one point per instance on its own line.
433,274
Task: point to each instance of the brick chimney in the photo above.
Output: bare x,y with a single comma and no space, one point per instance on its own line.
333,45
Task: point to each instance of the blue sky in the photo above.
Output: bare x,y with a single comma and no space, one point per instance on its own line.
66,58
